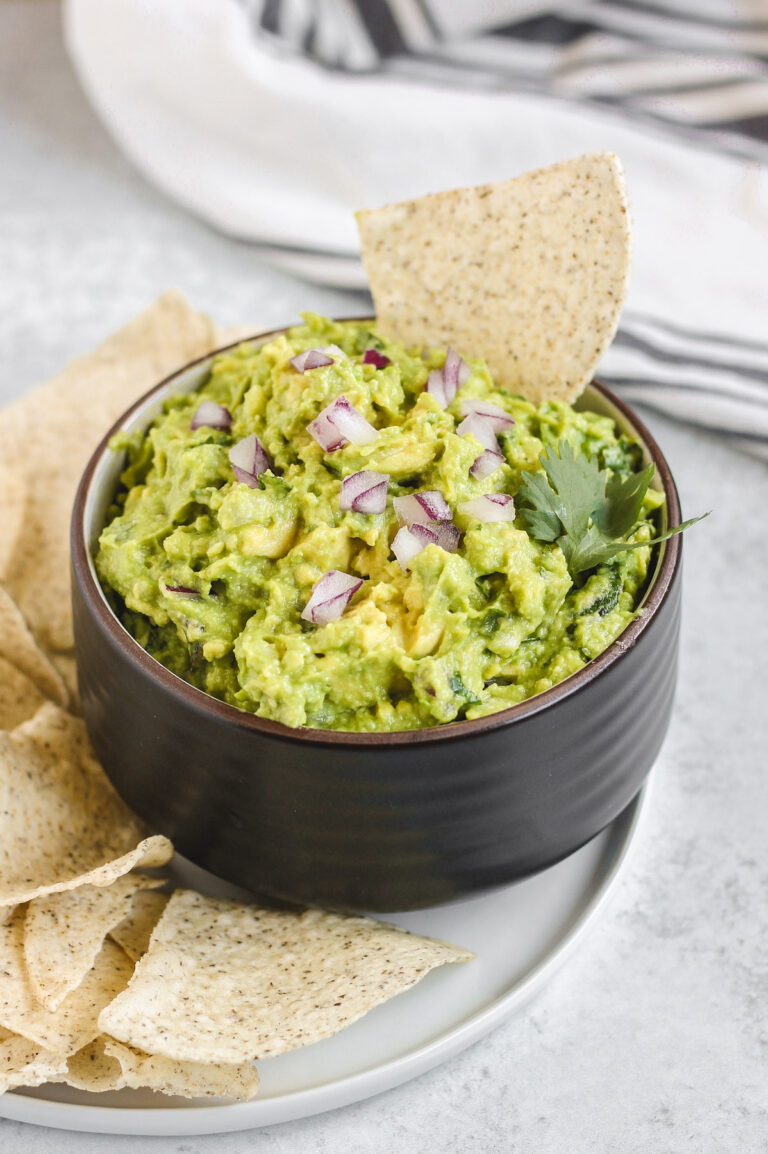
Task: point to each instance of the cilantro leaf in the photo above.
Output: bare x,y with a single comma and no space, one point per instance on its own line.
585,509
618,512
579,483
457,686
544,512
594,551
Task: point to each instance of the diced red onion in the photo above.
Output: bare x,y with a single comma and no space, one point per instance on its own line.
411,539
338,423
364,492
456,372
209,415
490,507
351,423
248,460
325,432
407,544
448,535
311,359
436,387
184,591
374,357
481,428
488,462
426,534
491,457
444,383
429,505
330,596
497,418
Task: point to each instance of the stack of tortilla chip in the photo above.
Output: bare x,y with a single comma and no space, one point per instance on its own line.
105,982
46,438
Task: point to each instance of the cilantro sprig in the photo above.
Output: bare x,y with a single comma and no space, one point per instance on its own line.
587,510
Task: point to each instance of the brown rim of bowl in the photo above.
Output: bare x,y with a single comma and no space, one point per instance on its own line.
666,568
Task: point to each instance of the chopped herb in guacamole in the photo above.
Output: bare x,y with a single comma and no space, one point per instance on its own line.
341,532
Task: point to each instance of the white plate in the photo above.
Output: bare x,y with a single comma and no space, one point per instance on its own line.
521,934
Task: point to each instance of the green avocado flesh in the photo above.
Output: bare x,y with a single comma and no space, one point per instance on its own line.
458,635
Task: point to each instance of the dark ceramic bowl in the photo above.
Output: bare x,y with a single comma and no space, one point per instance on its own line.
375,821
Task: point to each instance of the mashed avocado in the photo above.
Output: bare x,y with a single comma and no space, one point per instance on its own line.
211,574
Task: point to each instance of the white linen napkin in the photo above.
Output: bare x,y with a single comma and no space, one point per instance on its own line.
275,121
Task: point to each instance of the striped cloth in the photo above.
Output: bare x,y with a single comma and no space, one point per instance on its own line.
698,67
275,119
709,380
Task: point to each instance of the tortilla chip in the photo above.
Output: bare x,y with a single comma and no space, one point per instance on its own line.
231,334
66,667
19,697
529,274
48,435
75,1023
19,648
22,1063
92,1069
184,1079
63,933
224,982
14,485
135,930
61,823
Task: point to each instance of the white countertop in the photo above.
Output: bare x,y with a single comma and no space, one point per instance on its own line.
655,1035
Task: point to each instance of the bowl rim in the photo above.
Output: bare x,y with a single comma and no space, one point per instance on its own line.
199,701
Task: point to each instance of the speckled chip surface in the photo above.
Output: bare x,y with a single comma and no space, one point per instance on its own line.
135,930
19,648
224,982
529,274
93,1069
239,1081
19,699
61,823
24,1063
63,933
74,1024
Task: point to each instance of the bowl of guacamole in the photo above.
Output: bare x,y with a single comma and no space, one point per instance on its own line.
357,627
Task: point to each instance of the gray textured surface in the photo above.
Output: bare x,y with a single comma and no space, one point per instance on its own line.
655,1036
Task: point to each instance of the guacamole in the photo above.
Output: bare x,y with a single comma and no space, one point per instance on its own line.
250,546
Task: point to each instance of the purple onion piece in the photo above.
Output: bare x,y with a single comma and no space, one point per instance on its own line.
425,534
488,462
442,533
374,357
364,492
448,535
311,359
429,505
330,597
338,423
325,432
248,460
436,387
352,424
209,415
184,591
456,372
481,428
434,504
490,507
499,420
406,545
